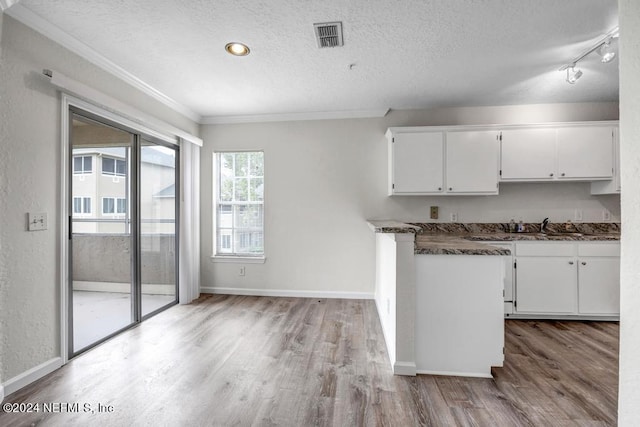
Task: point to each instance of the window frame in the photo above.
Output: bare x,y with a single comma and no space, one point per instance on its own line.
116,205
114,172
83,212
239,257
83,171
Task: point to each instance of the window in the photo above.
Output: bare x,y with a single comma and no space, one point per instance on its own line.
82,164
113,205
240,204
81,205
116,167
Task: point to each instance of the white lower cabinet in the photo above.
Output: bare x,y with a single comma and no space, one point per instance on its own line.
599,279
567,279
546,285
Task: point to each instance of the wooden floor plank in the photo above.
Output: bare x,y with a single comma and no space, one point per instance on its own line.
265,361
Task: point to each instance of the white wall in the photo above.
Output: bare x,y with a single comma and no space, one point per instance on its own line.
325,178
629,392
30,182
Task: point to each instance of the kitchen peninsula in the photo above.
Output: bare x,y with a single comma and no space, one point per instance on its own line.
440,286
439,300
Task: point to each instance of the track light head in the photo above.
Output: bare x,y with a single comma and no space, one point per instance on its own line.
573,75
606,52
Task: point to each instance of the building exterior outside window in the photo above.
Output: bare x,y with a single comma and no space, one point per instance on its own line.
100,191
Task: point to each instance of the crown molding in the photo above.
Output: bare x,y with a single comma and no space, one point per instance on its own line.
289,117
6,4
47,29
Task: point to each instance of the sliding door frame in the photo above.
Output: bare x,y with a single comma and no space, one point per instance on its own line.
71,105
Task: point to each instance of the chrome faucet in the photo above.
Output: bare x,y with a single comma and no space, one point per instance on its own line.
543,226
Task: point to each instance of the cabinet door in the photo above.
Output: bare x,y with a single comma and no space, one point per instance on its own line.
528,154
611,186
417,163
599,285
585,152
546,285
472,162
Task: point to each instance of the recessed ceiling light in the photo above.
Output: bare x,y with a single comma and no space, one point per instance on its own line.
237,49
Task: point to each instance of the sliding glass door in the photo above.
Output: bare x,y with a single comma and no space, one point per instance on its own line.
158,209
123,222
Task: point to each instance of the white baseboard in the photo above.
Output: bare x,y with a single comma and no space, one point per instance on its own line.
454,374
404,368
285,293
33,374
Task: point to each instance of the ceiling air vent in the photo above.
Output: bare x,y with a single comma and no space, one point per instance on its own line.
329,34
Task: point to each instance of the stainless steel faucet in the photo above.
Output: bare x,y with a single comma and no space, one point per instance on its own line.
543,226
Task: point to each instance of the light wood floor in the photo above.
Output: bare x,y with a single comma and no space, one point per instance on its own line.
240,361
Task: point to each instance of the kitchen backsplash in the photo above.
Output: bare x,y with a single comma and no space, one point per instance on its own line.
573,227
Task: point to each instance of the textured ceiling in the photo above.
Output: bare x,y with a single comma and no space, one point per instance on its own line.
406,53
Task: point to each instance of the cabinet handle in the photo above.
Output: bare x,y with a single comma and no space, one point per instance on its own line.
570,262
439,188
550,174
584,263
562,174
450,188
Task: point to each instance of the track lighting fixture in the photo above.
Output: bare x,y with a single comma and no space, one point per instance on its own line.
573,75
606,52
602,47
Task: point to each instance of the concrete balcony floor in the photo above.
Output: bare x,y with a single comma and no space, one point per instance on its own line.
98,314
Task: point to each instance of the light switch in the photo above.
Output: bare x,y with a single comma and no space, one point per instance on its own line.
37,221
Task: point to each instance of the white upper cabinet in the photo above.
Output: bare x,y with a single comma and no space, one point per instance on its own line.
425,161
416,165
585,152
472,162
528,154
579,152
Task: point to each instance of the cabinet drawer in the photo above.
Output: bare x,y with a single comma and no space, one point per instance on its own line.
545,249
599,249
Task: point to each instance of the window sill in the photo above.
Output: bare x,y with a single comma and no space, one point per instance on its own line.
239,259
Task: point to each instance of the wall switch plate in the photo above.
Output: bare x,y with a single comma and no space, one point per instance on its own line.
434,212
37,221
454,217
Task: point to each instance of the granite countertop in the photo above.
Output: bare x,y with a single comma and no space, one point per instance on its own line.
467,239
452,244
391,226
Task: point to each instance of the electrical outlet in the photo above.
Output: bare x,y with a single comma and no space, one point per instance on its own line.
454,217
606,215
242,271
37,221
434,212
577,215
